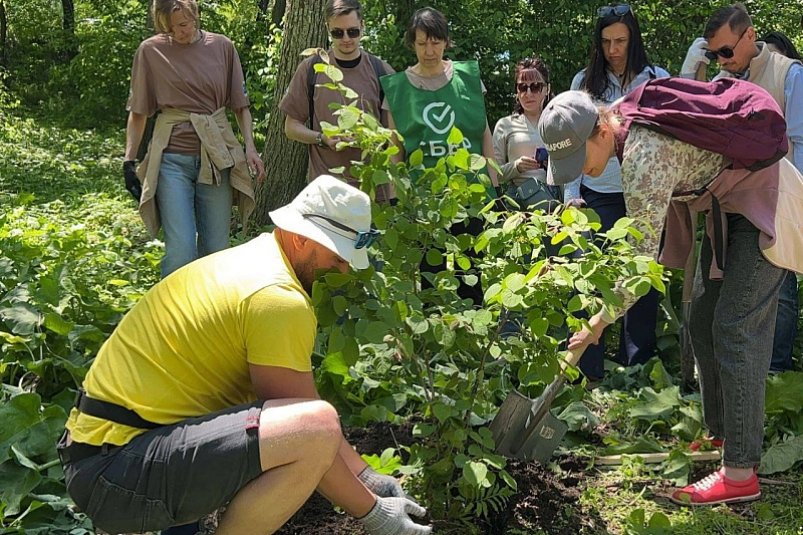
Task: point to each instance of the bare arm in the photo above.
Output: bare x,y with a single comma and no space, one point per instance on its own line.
134,129
298,131
244,122
340,484
488,152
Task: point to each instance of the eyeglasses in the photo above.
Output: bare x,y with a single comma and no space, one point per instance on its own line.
361,238
725,51
607,11
534,87
338,33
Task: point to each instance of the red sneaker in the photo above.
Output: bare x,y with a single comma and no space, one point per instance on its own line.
716,488
706,443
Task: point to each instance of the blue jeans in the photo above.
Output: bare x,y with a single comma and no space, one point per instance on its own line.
637,341
195,217
732,326
785,324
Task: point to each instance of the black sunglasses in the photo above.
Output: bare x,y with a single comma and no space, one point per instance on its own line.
726,51
338,33
361,238
534,87
607,11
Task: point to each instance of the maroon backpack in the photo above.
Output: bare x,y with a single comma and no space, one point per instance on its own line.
735,118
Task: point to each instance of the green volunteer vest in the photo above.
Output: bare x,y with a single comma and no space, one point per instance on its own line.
425,118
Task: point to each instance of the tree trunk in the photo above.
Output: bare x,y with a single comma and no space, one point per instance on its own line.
68,24
286,160
3,33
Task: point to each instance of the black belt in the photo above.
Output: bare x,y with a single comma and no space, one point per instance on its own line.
111,411
106,410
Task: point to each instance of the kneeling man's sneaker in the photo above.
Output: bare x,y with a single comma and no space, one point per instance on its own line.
716,488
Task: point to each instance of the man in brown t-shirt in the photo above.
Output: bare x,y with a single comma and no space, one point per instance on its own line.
360,73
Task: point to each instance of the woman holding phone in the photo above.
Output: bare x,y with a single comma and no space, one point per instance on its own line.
518,147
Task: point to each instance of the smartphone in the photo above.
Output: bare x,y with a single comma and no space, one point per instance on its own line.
542,157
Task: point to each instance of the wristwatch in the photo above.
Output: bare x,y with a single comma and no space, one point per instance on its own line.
319,139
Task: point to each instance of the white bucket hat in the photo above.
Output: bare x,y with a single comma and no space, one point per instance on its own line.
334,214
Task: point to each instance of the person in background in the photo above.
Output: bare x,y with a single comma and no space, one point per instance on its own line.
618,63
730,39
426,100
195,168
786,325
303,102
516,139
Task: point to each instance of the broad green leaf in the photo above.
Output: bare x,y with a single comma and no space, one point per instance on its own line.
475,473
782,457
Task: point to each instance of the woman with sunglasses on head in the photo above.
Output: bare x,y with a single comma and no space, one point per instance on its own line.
617,64
195,168
518,148
733,316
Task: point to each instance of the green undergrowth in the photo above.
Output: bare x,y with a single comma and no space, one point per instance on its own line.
75,258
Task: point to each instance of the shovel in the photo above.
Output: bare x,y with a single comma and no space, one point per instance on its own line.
524,428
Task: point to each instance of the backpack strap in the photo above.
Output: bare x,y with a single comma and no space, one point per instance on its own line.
379,71
311,87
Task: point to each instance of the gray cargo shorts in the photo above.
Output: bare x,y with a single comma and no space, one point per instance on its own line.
171,475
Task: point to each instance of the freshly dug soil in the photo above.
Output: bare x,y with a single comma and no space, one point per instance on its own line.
545,501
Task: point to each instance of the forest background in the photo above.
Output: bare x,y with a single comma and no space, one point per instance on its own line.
74,256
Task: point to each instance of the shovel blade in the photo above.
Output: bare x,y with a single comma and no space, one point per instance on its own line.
518,436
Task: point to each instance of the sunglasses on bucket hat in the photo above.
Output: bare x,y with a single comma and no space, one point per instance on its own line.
338,33
617,11
361,238
725,51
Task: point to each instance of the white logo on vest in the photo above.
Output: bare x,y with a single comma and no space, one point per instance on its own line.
433,116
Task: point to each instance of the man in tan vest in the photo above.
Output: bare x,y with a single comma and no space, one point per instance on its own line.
730,38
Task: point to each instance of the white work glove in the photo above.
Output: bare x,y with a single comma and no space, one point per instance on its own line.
391,516
694,57
381,485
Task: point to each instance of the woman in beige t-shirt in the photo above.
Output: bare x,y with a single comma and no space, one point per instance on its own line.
191,76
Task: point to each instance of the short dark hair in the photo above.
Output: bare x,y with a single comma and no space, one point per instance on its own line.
336,8
430,21
596,80
784,44
735,16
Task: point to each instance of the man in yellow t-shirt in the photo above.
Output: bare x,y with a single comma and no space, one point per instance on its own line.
204,396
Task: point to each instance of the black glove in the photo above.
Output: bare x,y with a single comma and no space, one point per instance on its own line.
132,183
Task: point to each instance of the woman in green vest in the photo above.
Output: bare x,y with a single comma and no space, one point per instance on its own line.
426,100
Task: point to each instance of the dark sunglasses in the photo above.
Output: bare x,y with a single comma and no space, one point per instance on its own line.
361,238
338,33
534,87
726,51
607,11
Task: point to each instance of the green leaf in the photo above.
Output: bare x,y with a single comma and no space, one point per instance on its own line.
656,406
782,457
476,473
417,158
455,136
22,318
